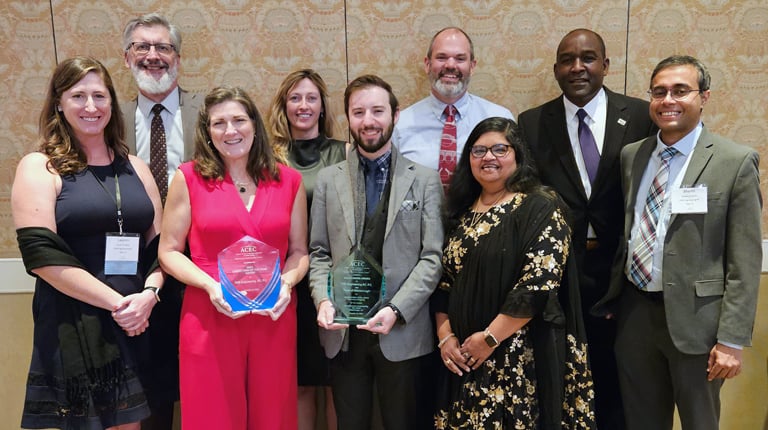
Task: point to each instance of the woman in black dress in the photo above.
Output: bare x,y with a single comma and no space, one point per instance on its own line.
87,215
301,126
517,359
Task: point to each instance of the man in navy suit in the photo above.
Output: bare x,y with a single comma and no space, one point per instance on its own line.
552,132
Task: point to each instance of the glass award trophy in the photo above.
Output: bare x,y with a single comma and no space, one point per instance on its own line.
356,287
249,273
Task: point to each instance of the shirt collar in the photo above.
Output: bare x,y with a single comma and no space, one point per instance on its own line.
438,107
170,103
685,145
590,108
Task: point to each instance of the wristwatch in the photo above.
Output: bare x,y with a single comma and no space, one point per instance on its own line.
397,312
156,291
490,339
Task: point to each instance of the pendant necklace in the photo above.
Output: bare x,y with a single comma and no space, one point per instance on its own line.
477,215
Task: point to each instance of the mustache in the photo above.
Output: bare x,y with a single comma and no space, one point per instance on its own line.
147,63
455,72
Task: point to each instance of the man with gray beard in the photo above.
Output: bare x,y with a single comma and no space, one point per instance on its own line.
160,124
420,133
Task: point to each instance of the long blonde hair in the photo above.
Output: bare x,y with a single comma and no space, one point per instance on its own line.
277,120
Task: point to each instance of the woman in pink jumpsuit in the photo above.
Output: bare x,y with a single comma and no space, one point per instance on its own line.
237,369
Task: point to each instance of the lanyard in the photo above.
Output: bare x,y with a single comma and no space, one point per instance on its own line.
115,199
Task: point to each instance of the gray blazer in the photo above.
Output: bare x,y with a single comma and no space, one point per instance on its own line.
189,103
412,248
712,262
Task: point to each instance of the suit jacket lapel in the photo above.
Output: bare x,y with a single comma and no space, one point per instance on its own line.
615,128
702,153
345,180
639,163
129,115
402,178
188,122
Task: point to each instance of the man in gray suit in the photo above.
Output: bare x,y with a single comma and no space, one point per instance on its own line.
152,51
389,207
685,283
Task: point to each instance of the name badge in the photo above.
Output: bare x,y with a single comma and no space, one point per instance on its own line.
122,254
689,200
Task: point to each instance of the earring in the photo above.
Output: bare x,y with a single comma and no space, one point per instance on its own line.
58,108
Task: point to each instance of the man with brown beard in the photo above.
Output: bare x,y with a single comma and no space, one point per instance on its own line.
387,207
152,51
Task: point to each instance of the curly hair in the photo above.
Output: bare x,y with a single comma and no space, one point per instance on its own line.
277,119
57,139
209,164
465,189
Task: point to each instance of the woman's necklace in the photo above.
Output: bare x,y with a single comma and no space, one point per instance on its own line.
477,215
242,187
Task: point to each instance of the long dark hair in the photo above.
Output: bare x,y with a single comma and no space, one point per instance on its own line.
57,140
465,189
261,161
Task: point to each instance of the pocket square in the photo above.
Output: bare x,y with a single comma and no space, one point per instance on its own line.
410,205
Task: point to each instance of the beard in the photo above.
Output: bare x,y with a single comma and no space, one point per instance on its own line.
148,84
449,91
373,146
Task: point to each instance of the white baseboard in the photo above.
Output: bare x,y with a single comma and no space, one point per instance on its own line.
16,279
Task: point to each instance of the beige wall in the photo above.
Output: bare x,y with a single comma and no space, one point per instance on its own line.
256,43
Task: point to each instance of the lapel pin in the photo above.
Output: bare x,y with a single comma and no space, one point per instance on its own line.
622,121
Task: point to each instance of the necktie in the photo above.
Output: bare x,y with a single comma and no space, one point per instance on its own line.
372,186
447,163
588,147
642,255
158,153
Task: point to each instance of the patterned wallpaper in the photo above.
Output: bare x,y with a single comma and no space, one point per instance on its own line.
256,43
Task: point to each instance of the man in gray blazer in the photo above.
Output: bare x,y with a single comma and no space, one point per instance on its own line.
152,51
685,283
389,207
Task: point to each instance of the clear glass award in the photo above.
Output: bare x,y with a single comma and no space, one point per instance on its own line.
356,287
249,273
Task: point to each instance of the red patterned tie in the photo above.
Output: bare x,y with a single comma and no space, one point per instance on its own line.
158,153
447,163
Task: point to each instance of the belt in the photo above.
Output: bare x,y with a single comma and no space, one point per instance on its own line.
654,296
592,244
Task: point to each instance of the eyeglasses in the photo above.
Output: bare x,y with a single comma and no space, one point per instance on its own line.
498,150
142,48
678,93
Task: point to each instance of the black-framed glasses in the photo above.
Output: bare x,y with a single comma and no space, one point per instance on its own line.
677,93
498,150
142,48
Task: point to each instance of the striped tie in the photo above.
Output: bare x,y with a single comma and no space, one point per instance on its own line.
642,255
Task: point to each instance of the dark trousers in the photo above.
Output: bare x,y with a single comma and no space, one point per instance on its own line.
654,375
601,336
403,394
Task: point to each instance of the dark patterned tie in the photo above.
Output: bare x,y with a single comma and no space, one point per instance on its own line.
642,255
447,163
158,152
588,147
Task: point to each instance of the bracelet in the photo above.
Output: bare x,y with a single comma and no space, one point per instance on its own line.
154,290
288,284
445,339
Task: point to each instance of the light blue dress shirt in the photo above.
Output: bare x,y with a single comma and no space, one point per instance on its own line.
418,131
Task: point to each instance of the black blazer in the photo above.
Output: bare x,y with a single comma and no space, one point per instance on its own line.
544,129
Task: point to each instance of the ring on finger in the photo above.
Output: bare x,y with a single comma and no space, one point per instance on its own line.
448,361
